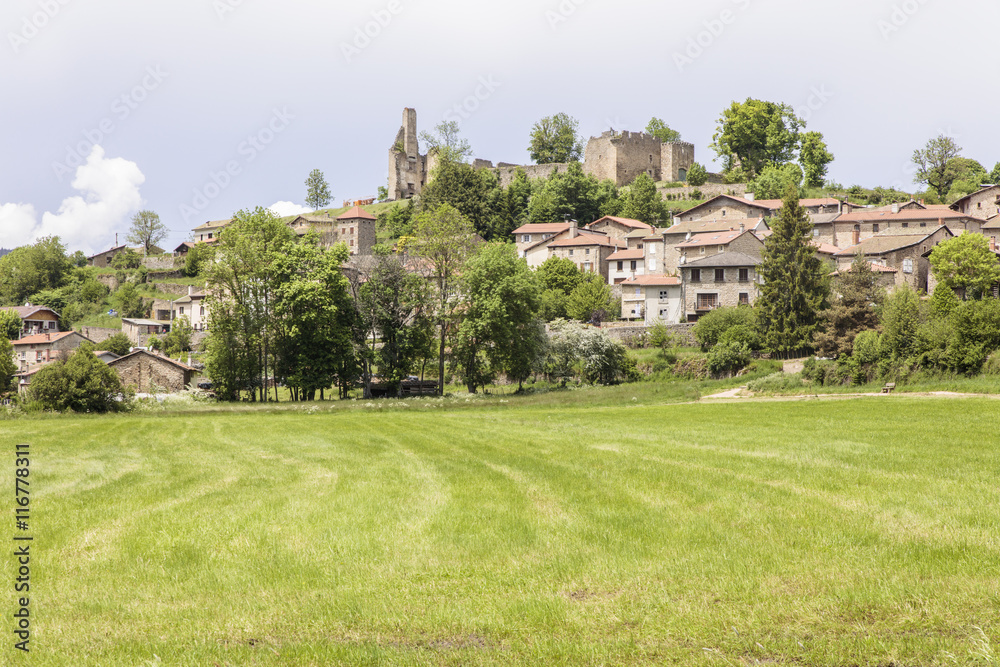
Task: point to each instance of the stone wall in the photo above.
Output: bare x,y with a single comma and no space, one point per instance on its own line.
624,331
142,372
708,190
109,280
163,275
99,334
676,157
162,263
171,288
505,172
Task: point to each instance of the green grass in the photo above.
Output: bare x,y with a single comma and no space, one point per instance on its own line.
598,526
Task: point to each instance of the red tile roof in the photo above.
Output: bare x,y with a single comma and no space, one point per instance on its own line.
631,253
903,216
585,239
775,204
628,222
542,228
711,238
41,339
825,248
356,213
653,279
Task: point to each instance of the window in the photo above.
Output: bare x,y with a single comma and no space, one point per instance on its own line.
352,230
908,265
570,252
351,243
708,301
202,313
638,291
181,310
923,224
703,250
587,251
209,235
621,266
720,275
525,238
815,233
38,355
545,237
744,299
723,213
664,294
632,265
906,224
696,275
652,249
744,275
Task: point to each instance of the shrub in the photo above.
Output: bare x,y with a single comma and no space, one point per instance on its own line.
82,383
775,383
118,344
992,365
727,358
711,327
697,175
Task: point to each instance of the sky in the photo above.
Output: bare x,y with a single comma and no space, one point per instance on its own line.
198,108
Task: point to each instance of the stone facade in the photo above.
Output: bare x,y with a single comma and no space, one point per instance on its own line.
906,256
723,208
99,334
652,299
408,169
45,348
729,279
147,372
983,204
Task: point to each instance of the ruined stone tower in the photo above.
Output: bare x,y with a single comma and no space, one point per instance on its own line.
408,169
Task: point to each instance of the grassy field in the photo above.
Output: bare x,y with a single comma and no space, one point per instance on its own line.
616,526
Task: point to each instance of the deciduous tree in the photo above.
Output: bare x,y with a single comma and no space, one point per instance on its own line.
447,140
147,230
815,158
662,131
554,139
644,202
933,164
444,239
967,264
755,134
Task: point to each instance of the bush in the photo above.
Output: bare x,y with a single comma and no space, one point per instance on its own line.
992,365
118,344
776,383
824,372
697,175
83,383
711,327
727,358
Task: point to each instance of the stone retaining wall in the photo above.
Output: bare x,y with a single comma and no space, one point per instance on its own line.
623,332
99,334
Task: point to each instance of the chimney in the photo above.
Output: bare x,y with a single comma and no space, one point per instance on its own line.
687,237
993,244
921,201
743,228
190,290
895,207
574,229
750,196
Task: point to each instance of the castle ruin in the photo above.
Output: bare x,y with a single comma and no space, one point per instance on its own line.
616,156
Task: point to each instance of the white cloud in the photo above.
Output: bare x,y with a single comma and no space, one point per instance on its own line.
284,208
109,190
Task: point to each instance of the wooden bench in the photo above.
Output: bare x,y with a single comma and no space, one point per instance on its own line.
889,386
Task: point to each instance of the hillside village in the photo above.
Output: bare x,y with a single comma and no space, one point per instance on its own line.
706,257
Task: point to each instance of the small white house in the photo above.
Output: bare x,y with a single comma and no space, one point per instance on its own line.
653,298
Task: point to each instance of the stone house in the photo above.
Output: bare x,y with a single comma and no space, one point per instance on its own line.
653,298
45,348
104,259
356,228
991,229
982,204
589,251
903,252
723,208
538,251
530,235
853,228
147,372
685,231
210,230
726,279
715,243
182,250
139,330
618,228
886,275
36,319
